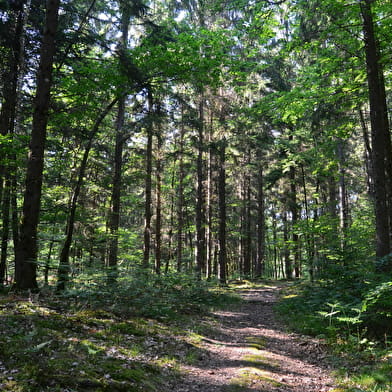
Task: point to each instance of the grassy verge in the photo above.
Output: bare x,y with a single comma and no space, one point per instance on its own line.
129,337
339,315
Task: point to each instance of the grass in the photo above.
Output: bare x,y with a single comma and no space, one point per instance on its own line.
250,377
95,338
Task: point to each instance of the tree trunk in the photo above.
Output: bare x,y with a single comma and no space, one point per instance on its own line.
381,140
260,226
114,218
5,229
27,251
180,202
367,154
148,189
158,220
286,252
294,219
200,203
209,207
222,214
63,269
343,205
7,127
247,227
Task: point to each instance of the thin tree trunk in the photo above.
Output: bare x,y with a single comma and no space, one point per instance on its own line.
309,237
209,221
5,230
294,219
148,189
114,218
27,251
248,226
170,254
64,265
287,261
260,261
367,154
158,220
7,127
222,214
343,207
180,202
200,203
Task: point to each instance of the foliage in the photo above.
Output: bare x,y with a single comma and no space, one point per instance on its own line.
348,314
377,310
89,339
161,297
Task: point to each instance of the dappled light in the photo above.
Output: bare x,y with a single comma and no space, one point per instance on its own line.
195,196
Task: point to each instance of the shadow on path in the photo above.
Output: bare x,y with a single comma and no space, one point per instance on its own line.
247,349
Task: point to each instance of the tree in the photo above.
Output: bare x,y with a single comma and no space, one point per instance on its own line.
26,252
381,139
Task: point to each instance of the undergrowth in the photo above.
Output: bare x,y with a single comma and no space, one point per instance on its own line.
131,336
354,317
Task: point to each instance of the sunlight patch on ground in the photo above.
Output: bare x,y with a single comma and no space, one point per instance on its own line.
250,376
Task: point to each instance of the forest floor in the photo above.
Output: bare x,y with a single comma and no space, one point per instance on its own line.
248,349
69,345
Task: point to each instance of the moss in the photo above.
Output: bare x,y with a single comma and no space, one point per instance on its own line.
262,361
253,376
258,343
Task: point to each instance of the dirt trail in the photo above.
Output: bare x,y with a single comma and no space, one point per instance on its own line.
249,350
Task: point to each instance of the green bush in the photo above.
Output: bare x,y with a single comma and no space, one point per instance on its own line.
377,310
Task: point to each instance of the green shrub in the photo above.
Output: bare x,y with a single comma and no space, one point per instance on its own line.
377,310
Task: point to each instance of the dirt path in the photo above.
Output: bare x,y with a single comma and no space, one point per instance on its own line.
248,350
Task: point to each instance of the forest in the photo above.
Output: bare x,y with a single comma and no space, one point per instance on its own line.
165,155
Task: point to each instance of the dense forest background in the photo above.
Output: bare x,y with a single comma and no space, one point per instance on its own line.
219,138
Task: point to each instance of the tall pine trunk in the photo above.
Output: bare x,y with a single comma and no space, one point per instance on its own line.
114,217
294,220
381,140
260,226
222,214
27,250
200,202
158,220
180,200
115,201
148,188
13,66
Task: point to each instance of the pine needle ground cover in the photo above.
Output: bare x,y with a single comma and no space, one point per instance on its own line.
131,337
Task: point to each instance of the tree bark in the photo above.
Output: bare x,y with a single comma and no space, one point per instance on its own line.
27,251
148,189
158,220
7,127
222,214
180,200
260,226
343,204
200,203
64,265
367,154
294,219
381,140
288,270
247,238
114,218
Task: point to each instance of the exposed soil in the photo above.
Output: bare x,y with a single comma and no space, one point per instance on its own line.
249,350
